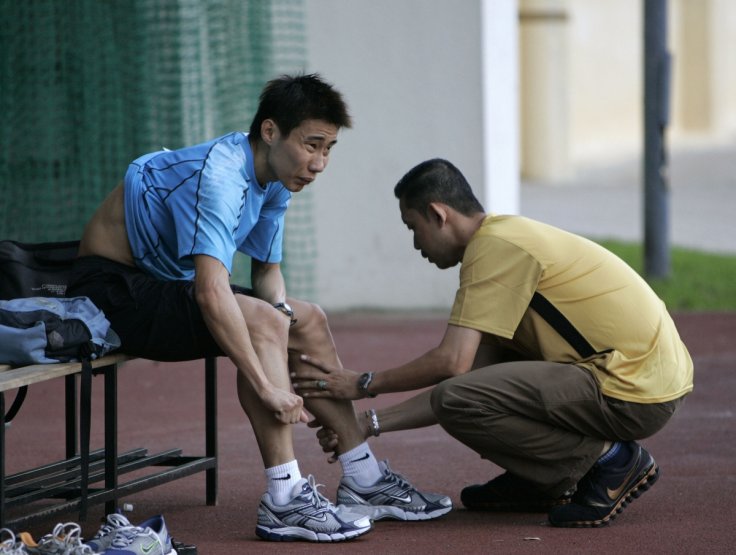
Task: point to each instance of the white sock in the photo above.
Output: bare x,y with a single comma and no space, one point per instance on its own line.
361,464
281,480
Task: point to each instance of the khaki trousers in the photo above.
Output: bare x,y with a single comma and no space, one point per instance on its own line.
545,422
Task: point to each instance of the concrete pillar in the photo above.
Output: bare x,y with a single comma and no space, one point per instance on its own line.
693,59
545,100
500,105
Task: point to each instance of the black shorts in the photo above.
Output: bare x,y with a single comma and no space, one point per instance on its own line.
157,320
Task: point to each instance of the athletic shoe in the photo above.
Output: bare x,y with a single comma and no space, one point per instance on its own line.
9,544
308,516
509,493
102,539
392,497
65,539
149,538
605,490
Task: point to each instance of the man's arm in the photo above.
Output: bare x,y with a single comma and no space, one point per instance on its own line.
228,327
453,356
267,281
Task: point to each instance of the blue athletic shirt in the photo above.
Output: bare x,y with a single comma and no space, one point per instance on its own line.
202,199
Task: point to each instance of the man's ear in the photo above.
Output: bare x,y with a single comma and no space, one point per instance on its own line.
269,131
437,212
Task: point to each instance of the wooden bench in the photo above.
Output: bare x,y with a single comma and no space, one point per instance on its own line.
85,477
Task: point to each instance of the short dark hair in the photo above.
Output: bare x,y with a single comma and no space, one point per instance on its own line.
437,180
290,100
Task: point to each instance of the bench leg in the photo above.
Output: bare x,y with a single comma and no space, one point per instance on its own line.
85,424
70,411
2,459
111,434
210,390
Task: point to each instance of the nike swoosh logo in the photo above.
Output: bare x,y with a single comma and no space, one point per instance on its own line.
364,457
614,494
287,477
405,499
149,548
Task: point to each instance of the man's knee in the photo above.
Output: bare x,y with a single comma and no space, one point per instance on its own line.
447,402
264,322
310,315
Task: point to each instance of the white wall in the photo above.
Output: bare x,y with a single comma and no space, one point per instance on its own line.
412,73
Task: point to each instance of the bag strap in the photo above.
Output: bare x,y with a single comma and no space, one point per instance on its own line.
562,325
20,396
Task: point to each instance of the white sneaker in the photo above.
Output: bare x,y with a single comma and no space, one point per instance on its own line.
392,497
102,539
308,516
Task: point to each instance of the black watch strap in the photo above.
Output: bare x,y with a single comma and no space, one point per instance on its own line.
364,382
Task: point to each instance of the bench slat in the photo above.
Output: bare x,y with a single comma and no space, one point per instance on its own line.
12,378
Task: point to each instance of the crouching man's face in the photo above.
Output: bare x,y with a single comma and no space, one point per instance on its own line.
432,237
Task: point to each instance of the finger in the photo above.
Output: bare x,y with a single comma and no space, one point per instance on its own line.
303,376
282,417
314,362
316,394
303,416
325,432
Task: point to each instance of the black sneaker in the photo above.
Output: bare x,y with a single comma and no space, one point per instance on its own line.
605,491
509,493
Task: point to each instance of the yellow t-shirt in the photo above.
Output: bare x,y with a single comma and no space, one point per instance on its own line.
640,355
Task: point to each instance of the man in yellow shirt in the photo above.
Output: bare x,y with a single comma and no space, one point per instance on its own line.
573,358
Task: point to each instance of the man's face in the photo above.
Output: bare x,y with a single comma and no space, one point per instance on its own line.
297,159
431,238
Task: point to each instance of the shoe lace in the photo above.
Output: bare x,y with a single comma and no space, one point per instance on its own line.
10,545
57,541
111,525
313,495
66,539
396,478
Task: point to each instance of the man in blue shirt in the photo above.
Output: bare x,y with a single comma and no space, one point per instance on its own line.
156,257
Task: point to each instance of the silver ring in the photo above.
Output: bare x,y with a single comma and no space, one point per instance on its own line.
322,384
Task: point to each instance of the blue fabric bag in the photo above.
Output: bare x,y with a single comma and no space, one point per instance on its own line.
49,329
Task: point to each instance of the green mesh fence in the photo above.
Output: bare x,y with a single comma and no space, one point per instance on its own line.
88,85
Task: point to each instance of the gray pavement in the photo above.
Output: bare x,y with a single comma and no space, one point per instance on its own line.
606,201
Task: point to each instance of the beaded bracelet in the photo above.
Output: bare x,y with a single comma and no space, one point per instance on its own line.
373,419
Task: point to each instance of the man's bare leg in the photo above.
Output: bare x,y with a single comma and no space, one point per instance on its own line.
269,340
311,334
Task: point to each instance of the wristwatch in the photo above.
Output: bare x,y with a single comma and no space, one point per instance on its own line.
286,309
363,382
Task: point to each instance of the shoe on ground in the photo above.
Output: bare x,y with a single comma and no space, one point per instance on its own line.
509,493
151,537
10,545
605,491
392,497
308,516
65,539
102,539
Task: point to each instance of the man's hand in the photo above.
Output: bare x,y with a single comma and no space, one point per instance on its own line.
327,439
286,406
316,379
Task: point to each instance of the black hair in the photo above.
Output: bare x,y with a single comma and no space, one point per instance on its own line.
437,180
290,100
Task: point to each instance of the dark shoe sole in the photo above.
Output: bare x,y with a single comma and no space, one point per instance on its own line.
642,485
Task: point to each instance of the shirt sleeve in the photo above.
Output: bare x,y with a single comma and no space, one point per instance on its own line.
219,200
497,281
265,241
